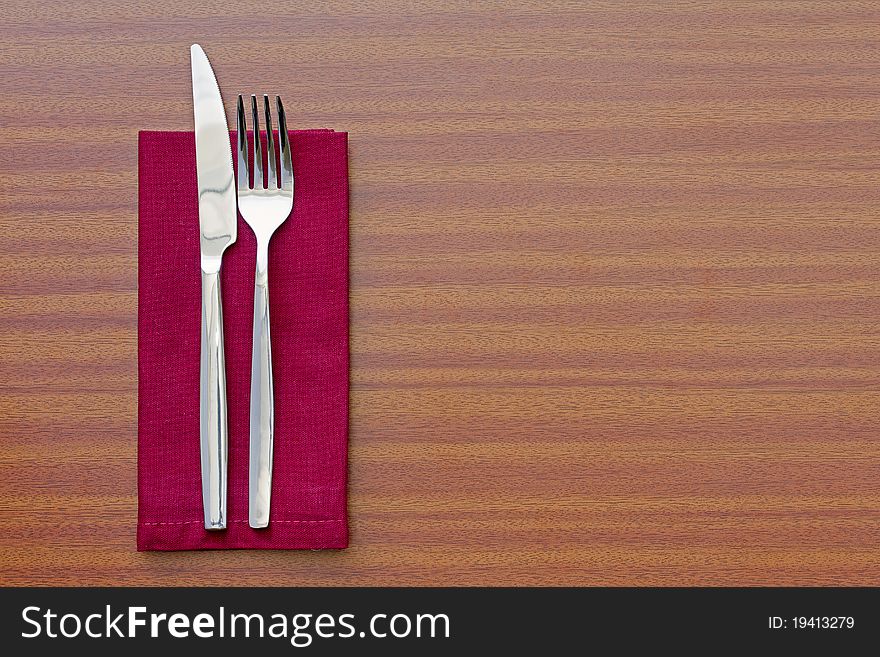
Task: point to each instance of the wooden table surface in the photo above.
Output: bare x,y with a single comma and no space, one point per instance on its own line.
614,285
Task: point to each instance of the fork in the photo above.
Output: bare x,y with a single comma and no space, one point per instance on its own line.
264,206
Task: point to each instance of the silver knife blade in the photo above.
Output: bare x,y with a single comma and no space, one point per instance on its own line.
218,218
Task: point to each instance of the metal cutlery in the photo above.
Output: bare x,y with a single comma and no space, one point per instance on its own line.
218,224
265,205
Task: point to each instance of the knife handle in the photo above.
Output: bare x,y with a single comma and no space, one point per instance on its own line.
213,430
262,421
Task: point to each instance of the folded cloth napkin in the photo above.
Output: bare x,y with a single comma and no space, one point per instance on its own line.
308,290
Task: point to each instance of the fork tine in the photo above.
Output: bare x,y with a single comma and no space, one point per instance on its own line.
272,176
243,176
284,142
259,177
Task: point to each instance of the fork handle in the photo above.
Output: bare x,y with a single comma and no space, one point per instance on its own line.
262,423
212,386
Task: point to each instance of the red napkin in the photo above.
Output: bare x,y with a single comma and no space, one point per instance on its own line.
308,291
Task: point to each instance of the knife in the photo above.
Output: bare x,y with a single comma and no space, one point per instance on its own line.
218,223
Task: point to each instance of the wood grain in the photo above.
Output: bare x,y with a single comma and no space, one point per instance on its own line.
614,278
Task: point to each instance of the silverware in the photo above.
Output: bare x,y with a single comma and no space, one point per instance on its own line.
264,206
218,223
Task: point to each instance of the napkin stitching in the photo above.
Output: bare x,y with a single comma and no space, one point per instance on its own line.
190,522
